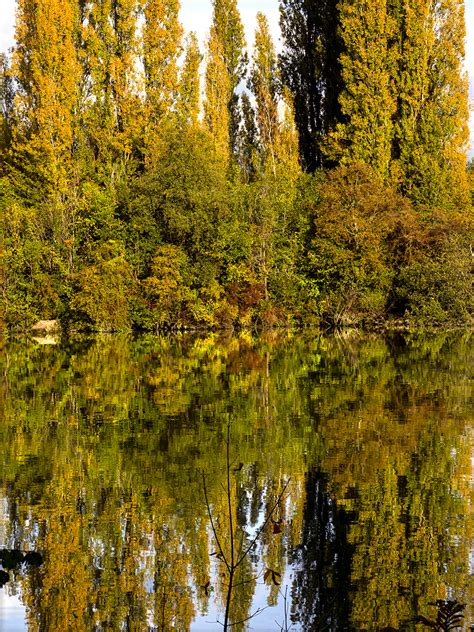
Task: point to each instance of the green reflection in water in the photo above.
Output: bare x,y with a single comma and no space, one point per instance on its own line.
104,444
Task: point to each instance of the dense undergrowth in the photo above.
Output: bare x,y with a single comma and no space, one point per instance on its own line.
191,250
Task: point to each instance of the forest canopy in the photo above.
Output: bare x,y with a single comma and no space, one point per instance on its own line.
145,183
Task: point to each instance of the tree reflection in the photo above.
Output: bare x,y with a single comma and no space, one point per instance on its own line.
104,443
322,561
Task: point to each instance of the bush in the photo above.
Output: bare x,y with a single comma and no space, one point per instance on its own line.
357,223
166,290
435,287
102,291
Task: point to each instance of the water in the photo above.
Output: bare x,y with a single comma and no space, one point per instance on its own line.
108,446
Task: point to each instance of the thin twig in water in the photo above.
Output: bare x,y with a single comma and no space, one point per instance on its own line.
213,527
260,530
236,558
284,627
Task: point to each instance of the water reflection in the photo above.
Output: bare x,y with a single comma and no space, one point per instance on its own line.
104,443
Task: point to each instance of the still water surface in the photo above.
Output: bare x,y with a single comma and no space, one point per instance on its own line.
107,446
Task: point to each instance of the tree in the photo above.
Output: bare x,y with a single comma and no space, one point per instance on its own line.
249,147
102,297
431,125
218,94
166,289
181,201
6,109
28,263
310,67
46,71
162,35
264,84
189,84
367,100
355,220
112,109
286,151
228,32
434,285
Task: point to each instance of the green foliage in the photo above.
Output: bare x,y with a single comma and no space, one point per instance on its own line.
185,192
101,299
166,289
96,218
435,286
349,253
30,267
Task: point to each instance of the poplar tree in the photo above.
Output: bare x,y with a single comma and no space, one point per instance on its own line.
6,109
99,111
124,73
162,34
368,101
310,68
111,49
287,145
227,29
432,122
249,147
189,83
46,72
218,94
264,84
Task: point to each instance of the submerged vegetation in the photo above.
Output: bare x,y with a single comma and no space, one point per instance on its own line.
146,184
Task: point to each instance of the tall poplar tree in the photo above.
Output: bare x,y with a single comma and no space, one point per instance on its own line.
287,146
311,69
264,84
228,30
368,101
46,71
111,50
432,122
124,73
162,34
218,95
189,83
249,147
6,109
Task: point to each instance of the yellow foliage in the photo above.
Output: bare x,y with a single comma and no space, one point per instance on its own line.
46,67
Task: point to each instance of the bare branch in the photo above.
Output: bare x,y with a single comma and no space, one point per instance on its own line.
214,531
260,530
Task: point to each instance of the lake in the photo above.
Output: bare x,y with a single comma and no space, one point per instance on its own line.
330,477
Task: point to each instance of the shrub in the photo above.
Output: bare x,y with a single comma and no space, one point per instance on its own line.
435,286
102,291
356,221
